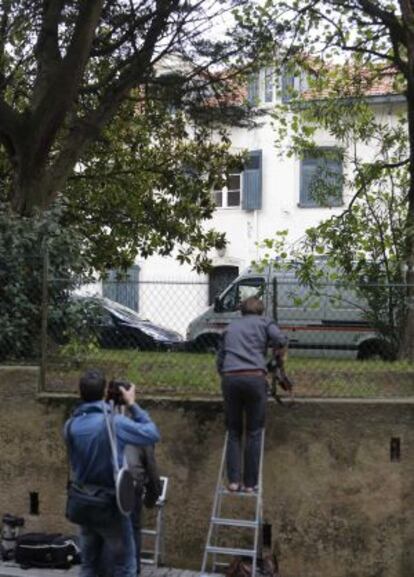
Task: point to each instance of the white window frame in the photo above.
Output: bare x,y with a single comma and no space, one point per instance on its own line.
225,190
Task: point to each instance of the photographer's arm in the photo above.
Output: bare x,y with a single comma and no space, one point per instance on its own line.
139,429
278,340
129,397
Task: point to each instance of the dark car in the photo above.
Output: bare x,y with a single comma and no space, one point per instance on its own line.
116,326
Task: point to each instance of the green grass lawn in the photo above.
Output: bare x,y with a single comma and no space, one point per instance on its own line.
195,374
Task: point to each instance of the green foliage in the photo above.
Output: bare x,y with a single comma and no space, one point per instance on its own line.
145,187
23,243
345,49
365,246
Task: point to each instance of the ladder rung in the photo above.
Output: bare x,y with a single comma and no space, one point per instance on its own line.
148,532
235,522
230,551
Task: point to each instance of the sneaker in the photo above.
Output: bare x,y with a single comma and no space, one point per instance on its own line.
250,489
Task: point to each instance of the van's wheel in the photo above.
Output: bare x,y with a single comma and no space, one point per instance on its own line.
376,350
207,344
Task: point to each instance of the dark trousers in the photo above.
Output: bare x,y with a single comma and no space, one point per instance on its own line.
244,395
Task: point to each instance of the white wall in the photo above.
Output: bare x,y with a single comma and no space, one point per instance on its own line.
164,300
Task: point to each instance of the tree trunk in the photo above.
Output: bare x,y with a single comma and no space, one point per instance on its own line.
29,188
407,341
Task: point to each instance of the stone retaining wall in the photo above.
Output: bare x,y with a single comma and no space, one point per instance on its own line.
340,505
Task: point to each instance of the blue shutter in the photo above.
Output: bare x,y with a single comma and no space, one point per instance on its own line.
330,170
252,181
288,85
335,171
269,85
253,89
308,168
122,287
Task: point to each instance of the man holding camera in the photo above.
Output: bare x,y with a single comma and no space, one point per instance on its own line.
91,460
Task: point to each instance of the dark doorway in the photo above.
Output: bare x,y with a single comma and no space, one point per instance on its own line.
220,277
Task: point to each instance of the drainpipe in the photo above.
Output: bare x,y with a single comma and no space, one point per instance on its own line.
256,232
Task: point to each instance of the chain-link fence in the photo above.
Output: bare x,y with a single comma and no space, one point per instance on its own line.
343,340
23,309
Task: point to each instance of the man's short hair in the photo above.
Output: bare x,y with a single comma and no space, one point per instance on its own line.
92,385
252,306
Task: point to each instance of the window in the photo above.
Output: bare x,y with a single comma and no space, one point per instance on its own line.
252,181
288,86
230,195
122,287
253,88
321,179
248,287
293,83
243,188
219,278
269,85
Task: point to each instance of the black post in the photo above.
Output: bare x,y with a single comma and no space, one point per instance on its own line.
44,316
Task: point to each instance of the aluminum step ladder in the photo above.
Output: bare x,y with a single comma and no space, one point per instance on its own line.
155,555
213,550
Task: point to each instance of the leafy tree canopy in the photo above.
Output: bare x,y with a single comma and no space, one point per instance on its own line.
344,49
107,105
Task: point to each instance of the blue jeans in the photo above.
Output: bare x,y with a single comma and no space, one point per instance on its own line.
136,526
244,394
108,551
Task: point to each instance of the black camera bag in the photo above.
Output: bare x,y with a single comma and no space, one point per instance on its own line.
91,505
46,550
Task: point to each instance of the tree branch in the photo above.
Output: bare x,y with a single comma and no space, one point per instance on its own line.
86,129
55,96
47,47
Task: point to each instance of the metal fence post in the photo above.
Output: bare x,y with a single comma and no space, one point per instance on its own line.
44,317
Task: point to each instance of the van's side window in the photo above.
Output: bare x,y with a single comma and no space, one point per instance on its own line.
242,290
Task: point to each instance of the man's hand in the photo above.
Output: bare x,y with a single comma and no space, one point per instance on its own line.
282,353
128,395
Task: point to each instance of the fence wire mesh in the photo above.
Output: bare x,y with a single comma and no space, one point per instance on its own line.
22,309
167,344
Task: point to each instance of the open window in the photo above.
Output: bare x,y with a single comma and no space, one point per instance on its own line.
219,278
240,291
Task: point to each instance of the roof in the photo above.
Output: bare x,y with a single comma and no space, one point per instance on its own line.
350,81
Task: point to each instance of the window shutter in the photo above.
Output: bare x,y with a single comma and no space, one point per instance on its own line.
331,172
335,171
122,287
252,181
288,85
308,168
253,89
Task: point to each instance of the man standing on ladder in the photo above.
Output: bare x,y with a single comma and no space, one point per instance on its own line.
241,362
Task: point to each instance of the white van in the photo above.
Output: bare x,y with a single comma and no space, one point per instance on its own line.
329,321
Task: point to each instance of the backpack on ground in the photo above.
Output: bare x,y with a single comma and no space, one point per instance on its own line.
46,550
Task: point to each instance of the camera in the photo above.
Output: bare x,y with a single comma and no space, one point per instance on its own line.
114,394
9,532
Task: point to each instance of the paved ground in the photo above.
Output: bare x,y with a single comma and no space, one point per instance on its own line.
11,570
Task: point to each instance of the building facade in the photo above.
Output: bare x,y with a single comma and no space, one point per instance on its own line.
270,194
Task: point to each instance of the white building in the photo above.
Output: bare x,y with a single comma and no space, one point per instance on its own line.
271,194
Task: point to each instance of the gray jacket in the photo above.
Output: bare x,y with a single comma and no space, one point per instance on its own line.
245,343
144,470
